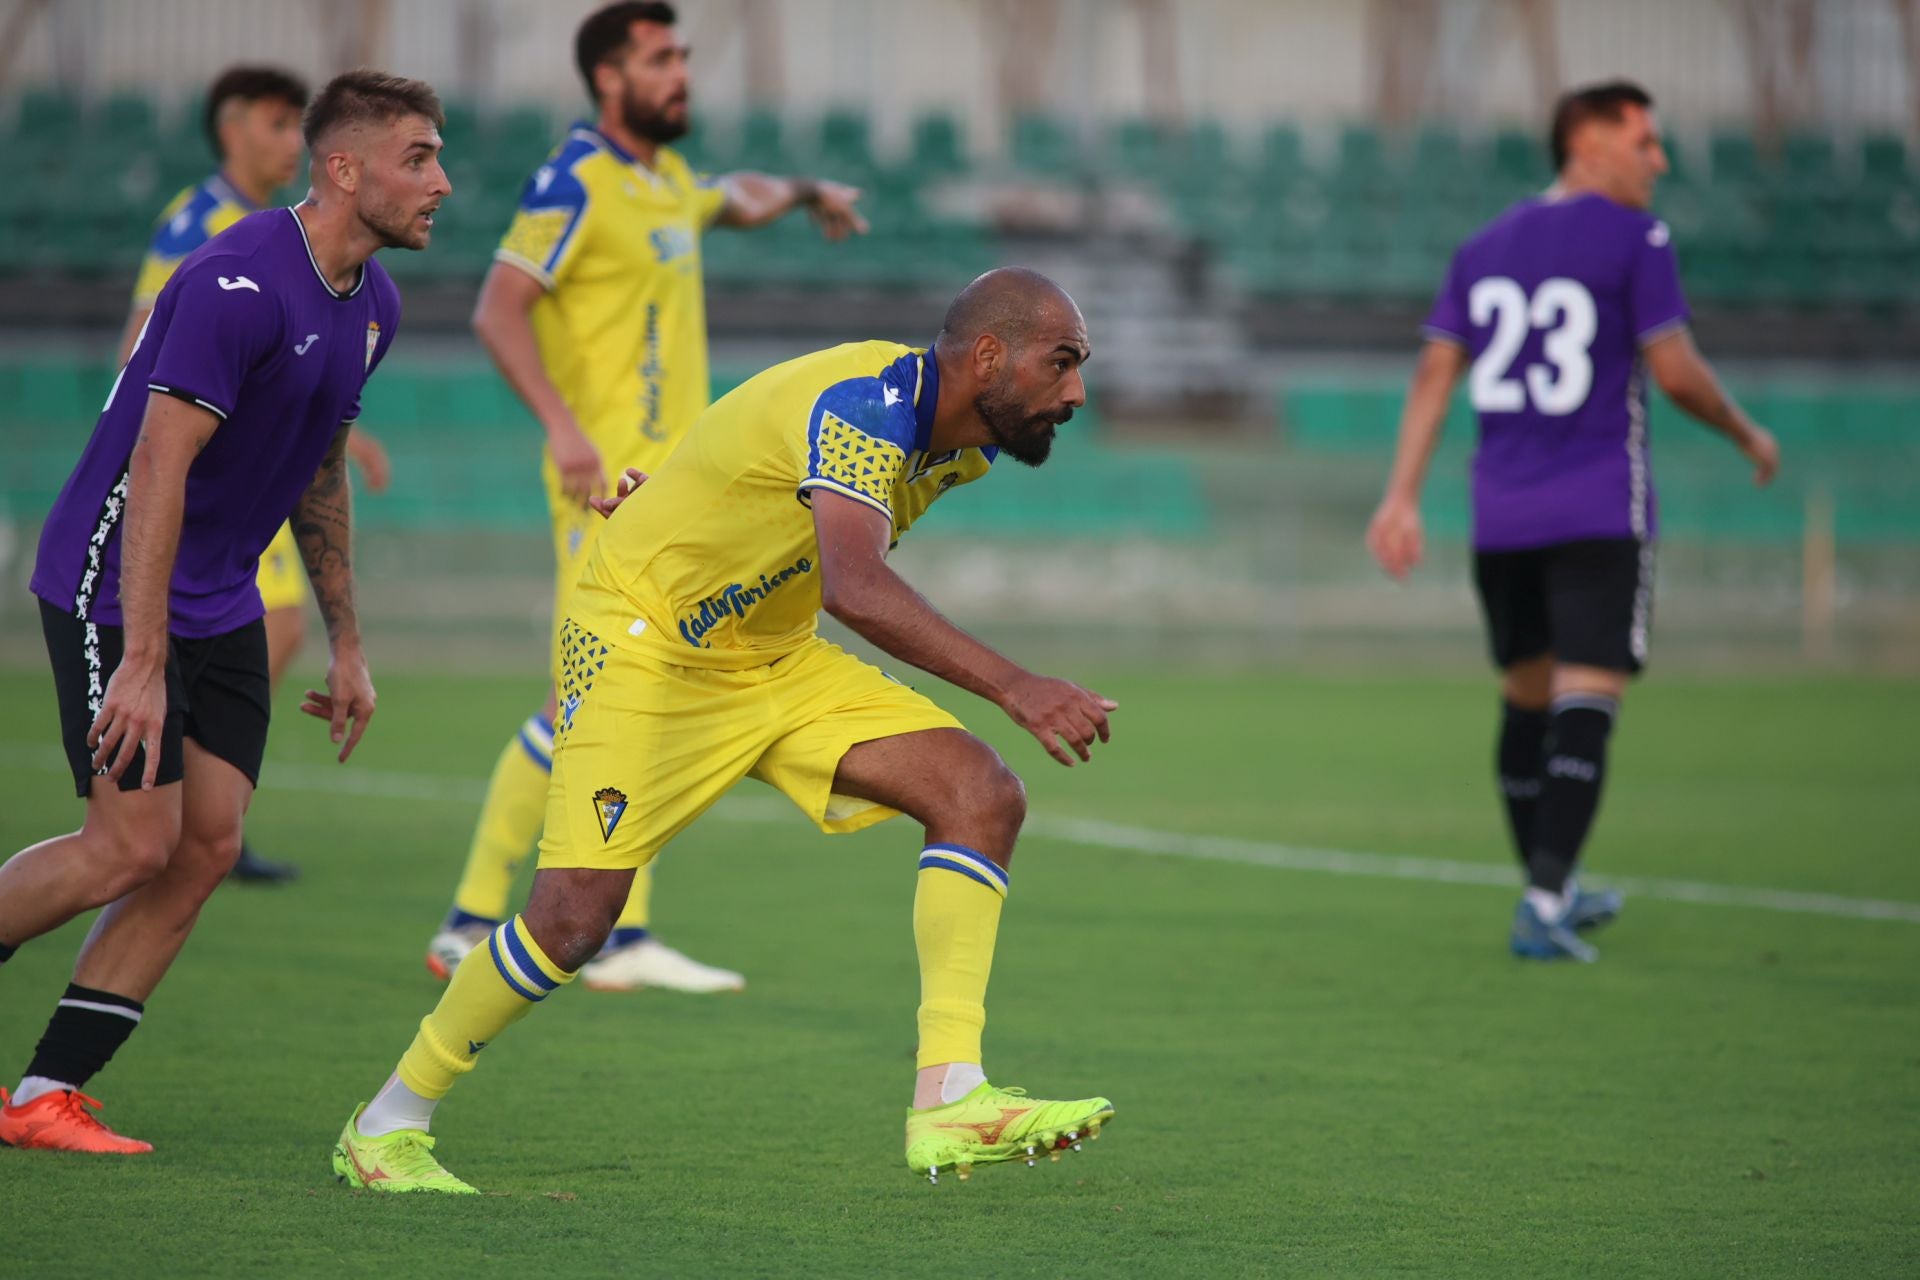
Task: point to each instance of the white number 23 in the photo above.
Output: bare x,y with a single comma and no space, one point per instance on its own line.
1564,310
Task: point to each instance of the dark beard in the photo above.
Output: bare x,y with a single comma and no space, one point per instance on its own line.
657,129
1026,438
396,232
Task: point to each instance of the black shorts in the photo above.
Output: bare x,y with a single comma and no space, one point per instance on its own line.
218,694
1587,603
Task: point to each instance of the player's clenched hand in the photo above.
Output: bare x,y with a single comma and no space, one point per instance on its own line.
348,702
832,206
1760,448
634,478
132,713
1054,711
582,478
1394,537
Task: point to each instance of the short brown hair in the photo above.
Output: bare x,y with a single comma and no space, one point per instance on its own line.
370,97
1595,102
607,32
251,84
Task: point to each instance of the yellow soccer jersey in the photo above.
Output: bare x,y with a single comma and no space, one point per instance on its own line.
192,218
623,326
713,563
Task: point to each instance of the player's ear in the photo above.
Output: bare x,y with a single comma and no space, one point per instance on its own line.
343,168
989,353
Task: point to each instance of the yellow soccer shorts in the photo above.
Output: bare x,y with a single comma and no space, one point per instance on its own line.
283,575
641,748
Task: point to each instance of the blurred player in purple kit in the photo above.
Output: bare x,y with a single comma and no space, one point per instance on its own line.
231,413
1558,312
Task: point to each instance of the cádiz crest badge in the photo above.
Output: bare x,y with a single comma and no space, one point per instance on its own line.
608,806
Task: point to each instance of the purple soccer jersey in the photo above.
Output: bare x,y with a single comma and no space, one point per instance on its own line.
1554,301
249,329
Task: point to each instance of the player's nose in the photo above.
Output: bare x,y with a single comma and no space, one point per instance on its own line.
1076,390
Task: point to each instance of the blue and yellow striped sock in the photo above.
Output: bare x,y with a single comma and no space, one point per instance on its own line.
509,825
493,988
956,919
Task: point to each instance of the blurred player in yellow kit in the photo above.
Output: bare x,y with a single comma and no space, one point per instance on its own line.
691,661
253,125
594,314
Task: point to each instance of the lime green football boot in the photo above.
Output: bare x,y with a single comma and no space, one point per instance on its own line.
395,1163
992,1125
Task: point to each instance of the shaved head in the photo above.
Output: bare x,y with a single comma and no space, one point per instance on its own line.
1014,304
1021,341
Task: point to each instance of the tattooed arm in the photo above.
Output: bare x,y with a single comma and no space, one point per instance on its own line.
323,526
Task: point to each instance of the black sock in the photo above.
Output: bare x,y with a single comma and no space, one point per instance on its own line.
1518,765
1576,768
87,1027
6,953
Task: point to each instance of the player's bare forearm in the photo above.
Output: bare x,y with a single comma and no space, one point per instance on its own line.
323,527
171,437
502,320
755,199
1424,416
884,609
1686,378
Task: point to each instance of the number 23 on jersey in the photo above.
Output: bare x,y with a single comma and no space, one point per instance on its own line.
1563,311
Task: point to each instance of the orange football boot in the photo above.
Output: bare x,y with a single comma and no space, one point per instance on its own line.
60,1121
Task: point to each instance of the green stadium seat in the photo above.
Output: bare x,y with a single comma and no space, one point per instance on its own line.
1520,158
846,145
1883,160
47,113
1282,156
762,143
1809,158
1138,147
938,147
1044,145
127,118
1734,158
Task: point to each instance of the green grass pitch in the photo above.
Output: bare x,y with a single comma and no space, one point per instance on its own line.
1316,1074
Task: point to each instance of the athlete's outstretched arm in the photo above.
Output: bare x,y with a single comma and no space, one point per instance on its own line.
859,588
1683,373
323,526
1394,535
502,321
135,702
755,199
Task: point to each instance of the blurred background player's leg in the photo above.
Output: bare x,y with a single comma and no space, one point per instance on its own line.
515,810
283,590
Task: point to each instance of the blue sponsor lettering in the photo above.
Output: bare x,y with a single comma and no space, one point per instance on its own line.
733,601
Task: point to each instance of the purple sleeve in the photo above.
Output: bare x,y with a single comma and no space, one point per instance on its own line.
1447,322
222,325
1653,287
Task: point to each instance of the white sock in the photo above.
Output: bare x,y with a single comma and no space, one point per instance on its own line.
1548,906
396,1107
34,1086
962,1078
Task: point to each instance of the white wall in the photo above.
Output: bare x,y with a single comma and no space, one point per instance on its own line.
1242,60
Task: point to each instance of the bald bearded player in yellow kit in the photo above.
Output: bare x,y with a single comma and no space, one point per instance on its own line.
692,662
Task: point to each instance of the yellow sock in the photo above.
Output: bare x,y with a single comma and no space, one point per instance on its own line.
510,821
493,988
956,917
638,912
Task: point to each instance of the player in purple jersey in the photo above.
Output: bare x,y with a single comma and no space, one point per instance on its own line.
1557,312
231,414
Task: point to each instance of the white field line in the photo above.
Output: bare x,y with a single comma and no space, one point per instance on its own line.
348,780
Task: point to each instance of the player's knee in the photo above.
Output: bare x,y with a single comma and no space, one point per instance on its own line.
210,854
133,857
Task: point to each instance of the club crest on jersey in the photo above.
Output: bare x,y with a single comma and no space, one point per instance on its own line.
609,805
373,340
